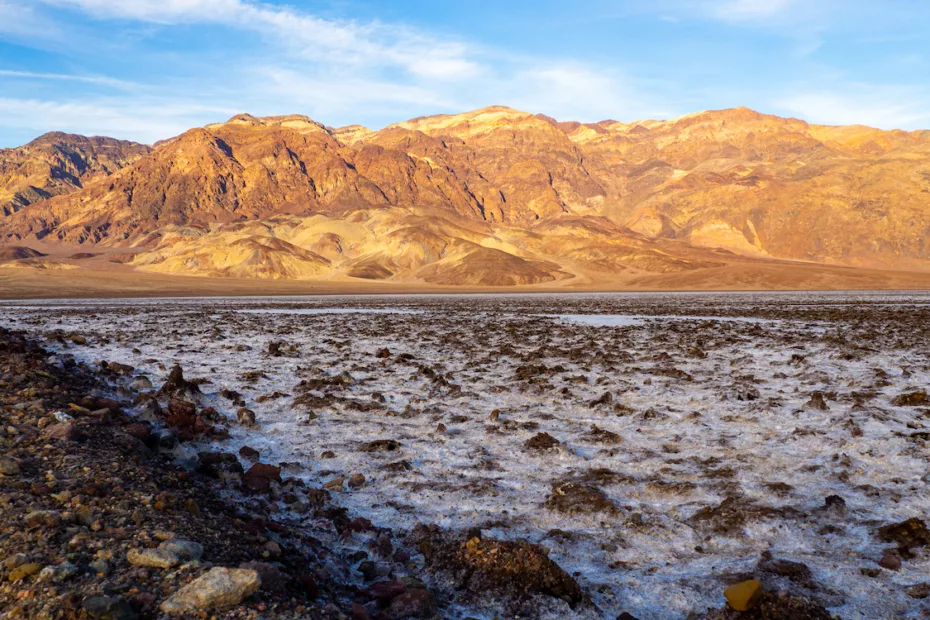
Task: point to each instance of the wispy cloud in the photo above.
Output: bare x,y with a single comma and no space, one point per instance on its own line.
23,21
148,69
574,90
88,79
750,10
341,42
145,120
892,108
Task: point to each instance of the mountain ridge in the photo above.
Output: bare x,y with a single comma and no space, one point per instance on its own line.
551,200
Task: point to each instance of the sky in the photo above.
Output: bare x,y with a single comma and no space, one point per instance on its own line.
147,70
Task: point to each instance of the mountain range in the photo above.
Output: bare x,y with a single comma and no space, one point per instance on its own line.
493,197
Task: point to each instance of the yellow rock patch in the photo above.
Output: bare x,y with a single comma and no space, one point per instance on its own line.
742,596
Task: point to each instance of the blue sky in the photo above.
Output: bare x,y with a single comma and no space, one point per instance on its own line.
149,69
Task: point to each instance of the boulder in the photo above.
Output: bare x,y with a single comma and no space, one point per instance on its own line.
217,589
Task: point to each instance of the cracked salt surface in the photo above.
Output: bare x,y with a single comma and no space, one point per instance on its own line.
706,408
628,320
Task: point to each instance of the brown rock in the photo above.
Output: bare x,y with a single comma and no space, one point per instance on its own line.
259,476
142,432
64,431
891,561
249,453
541,442
246,417
909,535
912,399
410,604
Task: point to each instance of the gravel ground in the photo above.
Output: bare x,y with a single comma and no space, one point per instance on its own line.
624,453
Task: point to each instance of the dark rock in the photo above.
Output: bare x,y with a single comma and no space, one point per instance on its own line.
921,590
64,431
107,608
909,535
260,475
891,561
817,402
176,386
384,591
368,570
797,572
733,513
273,578
835,503
912,399
214,464
599,435
309,586
572,497
410,604
249,453
381,445
246,417
140,431
541,442
483,566
776,607
181,407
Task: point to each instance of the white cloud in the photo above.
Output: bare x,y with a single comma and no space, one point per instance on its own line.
141,120
23,21
339,42
570,91
896,108
91,79
751,10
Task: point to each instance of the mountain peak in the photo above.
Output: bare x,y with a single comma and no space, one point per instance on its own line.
299,122
470,123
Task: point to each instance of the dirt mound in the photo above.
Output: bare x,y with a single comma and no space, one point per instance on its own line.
18,253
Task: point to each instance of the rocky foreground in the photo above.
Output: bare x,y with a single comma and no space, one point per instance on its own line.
109,512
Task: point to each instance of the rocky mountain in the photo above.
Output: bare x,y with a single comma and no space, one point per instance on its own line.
59,163
493,197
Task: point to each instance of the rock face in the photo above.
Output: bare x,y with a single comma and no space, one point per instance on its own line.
494,197
219,588
59,163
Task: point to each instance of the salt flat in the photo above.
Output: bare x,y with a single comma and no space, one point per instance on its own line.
696,432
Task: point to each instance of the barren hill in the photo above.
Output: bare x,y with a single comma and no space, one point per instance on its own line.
493,197
58,163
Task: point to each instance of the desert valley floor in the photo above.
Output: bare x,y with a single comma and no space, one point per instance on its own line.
661,446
